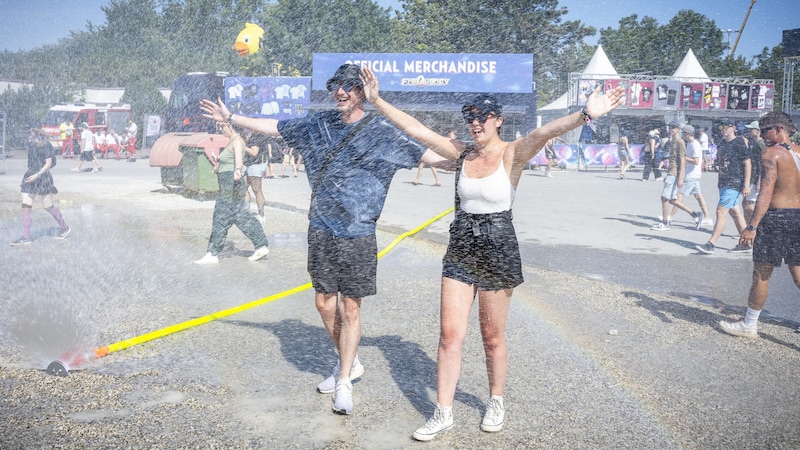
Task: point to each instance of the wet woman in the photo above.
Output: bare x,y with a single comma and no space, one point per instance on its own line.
38,181
482,257
230,208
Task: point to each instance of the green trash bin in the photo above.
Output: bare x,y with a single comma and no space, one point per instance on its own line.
198,172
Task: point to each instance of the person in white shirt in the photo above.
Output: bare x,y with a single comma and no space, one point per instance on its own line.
694,170
87,149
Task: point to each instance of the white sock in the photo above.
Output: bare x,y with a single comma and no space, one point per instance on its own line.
751,316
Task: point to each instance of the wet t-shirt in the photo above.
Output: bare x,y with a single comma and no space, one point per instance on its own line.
351,190
731,156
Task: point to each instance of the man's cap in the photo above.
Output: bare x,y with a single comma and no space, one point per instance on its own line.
752,125
485,103
726,122
84,125
348,73
688,129
674,124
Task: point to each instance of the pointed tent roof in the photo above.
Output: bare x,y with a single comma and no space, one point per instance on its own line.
599,67
690,68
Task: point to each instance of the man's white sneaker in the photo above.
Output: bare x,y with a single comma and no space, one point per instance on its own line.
442,420
738,328
707,222
661,226
328,385
495,415
208,259
343,397
259,253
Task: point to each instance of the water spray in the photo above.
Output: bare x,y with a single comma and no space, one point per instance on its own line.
60,367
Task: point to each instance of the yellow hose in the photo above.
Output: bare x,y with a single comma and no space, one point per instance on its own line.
122,345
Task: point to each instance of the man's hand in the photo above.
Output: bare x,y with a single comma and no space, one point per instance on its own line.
370,84
599,105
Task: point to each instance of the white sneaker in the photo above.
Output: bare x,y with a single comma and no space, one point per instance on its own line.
707,221
208,259
442,420
495,415
328,385
343,397
259,253
261,219
738,328
661,226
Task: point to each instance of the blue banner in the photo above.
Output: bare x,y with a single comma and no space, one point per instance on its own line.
435,72
274,97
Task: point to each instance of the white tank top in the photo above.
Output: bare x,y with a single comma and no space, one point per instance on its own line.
486,195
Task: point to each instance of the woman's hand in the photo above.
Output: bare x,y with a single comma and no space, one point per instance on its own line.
32,178
600,105
215,111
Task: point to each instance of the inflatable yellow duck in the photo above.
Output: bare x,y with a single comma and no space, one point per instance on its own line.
247,40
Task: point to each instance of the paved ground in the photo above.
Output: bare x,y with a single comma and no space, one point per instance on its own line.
612,337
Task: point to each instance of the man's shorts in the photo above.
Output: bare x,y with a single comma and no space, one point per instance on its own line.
753,194
670,190
729,198
87,155
483,251
345,265
691,186
778,238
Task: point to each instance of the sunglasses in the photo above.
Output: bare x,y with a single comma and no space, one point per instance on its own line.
722,127
481,116
766,130
334,86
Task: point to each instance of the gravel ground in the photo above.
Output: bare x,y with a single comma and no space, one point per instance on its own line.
594,364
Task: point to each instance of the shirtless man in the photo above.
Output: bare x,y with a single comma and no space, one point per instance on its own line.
774,229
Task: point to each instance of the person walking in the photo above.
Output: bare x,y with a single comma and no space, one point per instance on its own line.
419,175
755,145
650,152
624,154
676,173
482,256
87,150
38,182
733,160
350,158
256,162
774,228
230,208
691,182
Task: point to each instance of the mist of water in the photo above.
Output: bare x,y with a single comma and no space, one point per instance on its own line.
47,330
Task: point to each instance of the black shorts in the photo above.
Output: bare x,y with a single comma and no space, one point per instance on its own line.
778,238
483,251
87,155
345,265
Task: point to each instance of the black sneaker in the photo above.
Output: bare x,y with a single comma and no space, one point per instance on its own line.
741,248
63,233
707,248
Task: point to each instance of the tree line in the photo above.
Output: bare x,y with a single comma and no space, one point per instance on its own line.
146,44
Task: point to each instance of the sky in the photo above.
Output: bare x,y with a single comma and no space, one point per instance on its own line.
29,24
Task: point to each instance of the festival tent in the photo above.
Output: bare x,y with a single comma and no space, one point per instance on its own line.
598,68
690,69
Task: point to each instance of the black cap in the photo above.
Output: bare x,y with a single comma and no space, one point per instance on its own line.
726,122
485,103
347,73
674,124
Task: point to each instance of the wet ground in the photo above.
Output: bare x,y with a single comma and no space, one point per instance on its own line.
612,337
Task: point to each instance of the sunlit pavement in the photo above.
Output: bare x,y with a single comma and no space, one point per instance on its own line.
613,337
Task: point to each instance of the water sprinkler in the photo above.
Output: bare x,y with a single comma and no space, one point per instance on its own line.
58,368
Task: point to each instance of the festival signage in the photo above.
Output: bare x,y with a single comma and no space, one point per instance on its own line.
613,83
762,97
738,97
715,96
274,97
666,95
692,96
585,89
435,72
641,94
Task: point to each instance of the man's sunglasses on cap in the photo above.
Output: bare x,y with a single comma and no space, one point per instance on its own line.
334,85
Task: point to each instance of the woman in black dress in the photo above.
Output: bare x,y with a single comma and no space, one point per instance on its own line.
38,181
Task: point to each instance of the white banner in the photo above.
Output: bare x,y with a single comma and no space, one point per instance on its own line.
153,126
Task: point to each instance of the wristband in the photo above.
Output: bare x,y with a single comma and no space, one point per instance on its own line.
587,119
230,120
750,228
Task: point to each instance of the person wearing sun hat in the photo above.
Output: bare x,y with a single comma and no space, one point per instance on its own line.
755,145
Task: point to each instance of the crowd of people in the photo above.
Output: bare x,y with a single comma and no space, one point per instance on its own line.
351,155
100,142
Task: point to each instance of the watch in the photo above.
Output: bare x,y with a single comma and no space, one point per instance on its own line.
750,228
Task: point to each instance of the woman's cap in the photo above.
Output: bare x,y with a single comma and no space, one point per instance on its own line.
485,103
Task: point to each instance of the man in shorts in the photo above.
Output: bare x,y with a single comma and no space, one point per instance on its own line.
733,160
350,158
755,145
694,170
674,180
87,149
774,229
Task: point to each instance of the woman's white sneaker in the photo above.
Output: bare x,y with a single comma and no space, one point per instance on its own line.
442,420
495,415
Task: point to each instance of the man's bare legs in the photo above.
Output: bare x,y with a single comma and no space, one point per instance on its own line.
342,320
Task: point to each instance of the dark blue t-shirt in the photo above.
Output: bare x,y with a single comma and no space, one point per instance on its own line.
350,193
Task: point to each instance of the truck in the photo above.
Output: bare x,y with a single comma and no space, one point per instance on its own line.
99,117
188,133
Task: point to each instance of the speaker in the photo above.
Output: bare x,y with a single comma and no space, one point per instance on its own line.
791,43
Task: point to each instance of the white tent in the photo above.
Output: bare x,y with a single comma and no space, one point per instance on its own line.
690,69
598,68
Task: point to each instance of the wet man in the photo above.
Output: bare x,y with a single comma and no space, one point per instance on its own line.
774,229
676,171
733,160
350,158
